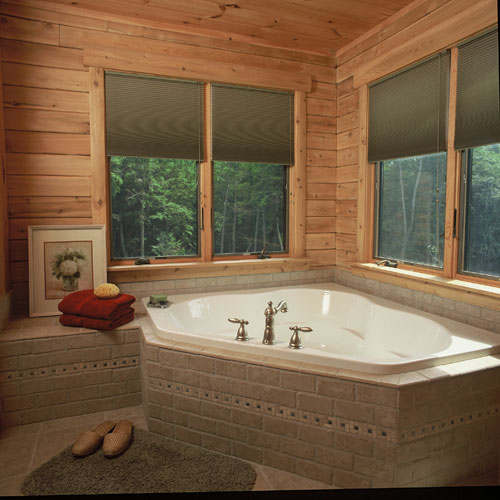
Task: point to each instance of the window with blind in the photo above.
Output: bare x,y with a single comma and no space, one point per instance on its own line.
478,137
407,142
154,143
252,150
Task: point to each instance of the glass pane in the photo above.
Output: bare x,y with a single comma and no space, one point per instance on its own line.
412,209
154,207
249,207
482,226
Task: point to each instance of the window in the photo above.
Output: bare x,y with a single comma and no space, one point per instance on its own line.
252,149
407,140
437,188
481,205
250,208
411,209
156,142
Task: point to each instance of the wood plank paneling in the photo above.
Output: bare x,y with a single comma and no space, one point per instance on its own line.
35,120
321,107
349,121
33,185
320,224
445,26
46,78
29,31
321,191
326,175
46,164
322,158
18,228
347,190
318,208
47,142
320,241
18,250
347,208
49,206
45,99
321,124
42,55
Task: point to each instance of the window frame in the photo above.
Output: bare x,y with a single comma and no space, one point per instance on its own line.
123,270
411,274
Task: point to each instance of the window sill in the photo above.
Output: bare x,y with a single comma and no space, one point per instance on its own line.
455,289
185,270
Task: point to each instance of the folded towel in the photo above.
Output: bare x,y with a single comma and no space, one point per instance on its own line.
96,324
86,303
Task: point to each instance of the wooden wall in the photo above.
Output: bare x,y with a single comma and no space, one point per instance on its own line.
417,31
4,263
47,117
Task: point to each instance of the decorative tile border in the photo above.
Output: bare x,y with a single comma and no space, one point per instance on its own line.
421,431
273,409
35,373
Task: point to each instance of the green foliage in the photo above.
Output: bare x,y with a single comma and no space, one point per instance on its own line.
155,207
412,209
482,250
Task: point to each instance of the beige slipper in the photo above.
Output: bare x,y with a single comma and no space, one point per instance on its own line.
89,441
117,441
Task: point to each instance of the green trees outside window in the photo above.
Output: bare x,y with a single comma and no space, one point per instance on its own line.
481,234
249,207
411,209
154,207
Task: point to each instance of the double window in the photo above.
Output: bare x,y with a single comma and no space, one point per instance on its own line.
173,143
423,164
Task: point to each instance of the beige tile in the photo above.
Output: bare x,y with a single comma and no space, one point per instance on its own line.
88,421
11,486
132,413
281,480
20,430
16,454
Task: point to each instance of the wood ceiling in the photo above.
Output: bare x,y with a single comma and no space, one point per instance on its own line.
313,26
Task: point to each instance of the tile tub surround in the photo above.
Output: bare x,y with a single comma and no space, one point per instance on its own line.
435,427
481,317
49,371
142,289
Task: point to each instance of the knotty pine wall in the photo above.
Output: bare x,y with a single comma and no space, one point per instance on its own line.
417,31
4,262
47,116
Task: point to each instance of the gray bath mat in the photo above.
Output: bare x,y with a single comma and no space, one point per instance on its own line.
151,464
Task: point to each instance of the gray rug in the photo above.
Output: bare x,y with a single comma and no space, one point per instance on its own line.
151,464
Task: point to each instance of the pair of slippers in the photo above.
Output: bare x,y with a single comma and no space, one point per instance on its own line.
113,443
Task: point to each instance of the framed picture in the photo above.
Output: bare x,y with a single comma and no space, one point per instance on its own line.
62,260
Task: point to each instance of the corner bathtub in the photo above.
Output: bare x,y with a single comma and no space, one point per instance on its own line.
351,330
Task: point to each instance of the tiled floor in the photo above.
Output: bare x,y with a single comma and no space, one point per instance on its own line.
25,447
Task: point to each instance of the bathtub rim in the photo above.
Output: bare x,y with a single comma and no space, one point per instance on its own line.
412,367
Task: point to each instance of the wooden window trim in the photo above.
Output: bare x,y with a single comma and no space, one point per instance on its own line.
446,282
206,264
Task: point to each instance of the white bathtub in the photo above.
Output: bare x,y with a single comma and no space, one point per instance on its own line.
351,330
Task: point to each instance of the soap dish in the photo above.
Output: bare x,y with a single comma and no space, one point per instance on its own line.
159,305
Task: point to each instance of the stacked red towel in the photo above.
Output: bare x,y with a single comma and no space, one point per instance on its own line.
85,309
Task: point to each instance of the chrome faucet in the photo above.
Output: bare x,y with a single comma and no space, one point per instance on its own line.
269,313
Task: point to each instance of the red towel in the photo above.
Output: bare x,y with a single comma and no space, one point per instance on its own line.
86,303
96,324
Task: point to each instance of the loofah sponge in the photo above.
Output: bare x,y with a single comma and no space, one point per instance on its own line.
106,291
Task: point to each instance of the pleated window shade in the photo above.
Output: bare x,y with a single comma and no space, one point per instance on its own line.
148,116
252,125
408,111
478,115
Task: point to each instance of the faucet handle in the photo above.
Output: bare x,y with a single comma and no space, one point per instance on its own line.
242,334
295,342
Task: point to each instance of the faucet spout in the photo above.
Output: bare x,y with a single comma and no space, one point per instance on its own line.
270,312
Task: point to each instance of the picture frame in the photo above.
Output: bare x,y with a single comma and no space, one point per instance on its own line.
63,259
